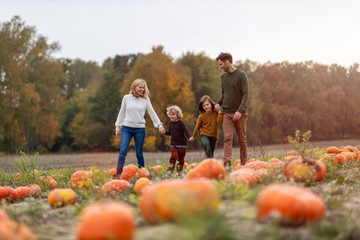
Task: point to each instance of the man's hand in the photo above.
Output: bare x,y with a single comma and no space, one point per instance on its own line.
191,139
217,107
117,133
237,116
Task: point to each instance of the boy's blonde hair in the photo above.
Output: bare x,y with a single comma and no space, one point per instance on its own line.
176,109
136,83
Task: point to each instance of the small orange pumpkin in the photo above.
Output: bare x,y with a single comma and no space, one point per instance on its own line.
245,176
257,165
115,186
48,181
61,197
106,220
141,184
23,192
340,159
208,169
81,180
332,149
145,173
130,172
157,168
302,170
111,172
291,204
35,190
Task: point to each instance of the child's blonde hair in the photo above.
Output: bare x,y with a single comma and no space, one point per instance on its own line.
176,109
136,83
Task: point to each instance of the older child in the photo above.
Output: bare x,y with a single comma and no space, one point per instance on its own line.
208,125
179,135
131,119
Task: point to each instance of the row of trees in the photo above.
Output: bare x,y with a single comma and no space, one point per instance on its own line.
63,105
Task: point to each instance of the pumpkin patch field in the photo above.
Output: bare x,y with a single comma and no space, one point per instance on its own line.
311,193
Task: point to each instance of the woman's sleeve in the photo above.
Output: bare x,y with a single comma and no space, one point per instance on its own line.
154,117
121,115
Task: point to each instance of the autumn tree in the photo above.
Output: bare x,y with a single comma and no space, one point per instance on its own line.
169,84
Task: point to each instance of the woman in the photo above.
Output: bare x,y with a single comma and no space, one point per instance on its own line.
131,120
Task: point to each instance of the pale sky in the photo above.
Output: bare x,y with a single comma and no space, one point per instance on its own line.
325,31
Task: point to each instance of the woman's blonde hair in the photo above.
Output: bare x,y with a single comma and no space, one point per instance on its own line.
176,109
136,83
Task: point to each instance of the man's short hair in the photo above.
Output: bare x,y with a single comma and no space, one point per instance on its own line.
223,56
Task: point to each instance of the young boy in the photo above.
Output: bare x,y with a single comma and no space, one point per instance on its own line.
179,136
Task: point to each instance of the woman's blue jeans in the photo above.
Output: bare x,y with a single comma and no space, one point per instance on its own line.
139,137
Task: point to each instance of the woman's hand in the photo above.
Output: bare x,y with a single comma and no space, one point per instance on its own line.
161,130
191,139
117,133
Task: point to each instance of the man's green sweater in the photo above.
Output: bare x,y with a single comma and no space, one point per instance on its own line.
235,92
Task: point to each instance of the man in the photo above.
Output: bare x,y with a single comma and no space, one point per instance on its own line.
234,100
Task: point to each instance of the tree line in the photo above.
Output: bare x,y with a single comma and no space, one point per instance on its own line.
62,105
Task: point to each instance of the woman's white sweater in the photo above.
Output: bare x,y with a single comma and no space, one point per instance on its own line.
132,113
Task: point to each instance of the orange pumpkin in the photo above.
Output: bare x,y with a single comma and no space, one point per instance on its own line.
49,182
61,197
8,194
208,169
3,216
257,164
111,172
115,186
35,190
141,184
130,172
18,175
332,149
237,161
245,176
340,159
261,173
145,173
302,170
179,199
81,180
276,163
191,166
291,204
11,230
106,220
23,192
185,165
157,168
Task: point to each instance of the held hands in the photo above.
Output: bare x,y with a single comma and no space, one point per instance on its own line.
191,139
161,130
217,108
237,116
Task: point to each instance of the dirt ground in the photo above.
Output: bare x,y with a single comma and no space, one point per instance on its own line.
108,160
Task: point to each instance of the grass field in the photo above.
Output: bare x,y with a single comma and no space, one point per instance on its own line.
237,214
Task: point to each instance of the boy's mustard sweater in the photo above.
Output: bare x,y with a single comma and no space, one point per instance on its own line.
208,124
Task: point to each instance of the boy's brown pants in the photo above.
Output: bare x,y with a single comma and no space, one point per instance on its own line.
179,155
240,128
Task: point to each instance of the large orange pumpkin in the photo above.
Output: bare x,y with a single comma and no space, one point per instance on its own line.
11,230
23,192
106,220
332,149
179,199
115,186
8,194
61,197
245,176
141,184
81,180
130,172
208,169
290,204
302,170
